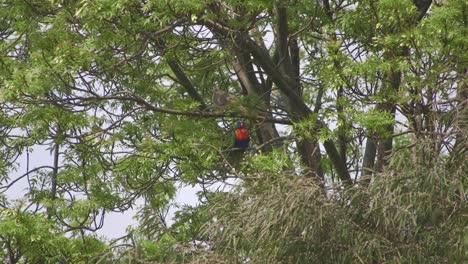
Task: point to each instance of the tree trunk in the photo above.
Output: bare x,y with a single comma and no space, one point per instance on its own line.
368,161
390,87
288,63
461,115
186,83
245,72
53,180
287,82
382,147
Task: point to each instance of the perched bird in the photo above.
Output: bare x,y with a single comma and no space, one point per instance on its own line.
242,137
241,143
222,98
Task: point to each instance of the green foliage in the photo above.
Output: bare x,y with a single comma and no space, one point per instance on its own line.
32,238
162,251
271,163
375,122
307,129
120,93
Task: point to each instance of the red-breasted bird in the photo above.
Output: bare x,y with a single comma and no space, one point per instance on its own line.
242,137
241,143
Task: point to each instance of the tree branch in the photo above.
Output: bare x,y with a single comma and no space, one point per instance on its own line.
186,83
264,60
194,113
6,187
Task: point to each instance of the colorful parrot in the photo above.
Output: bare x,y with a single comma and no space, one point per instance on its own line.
241,143
242,137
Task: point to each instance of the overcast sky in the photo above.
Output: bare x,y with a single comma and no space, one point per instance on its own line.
115,224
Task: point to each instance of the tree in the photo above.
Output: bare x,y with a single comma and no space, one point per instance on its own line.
334,93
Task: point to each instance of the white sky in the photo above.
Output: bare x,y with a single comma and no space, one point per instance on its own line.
115,224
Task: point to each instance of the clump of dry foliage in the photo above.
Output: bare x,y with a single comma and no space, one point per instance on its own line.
415,212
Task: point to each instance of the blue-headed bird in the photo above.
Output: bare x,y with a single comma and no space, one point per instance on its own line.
241,143
242,137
